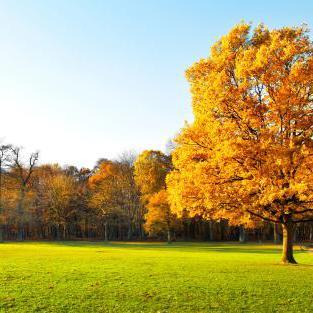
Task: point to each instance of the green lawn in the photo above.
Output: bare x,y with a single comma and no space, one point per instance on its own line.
145,277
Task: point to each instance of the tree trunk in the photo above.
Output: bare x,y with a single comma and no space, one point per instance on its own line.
20,212
1,232
169,237
276,233
58,232
86,226
64,232
120,235
20,232
141,231
106,231
211,230
242,234
129,232
288,231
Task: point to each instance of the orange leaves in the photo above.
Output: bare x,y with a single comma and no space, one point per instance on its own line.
151,169
250,146
105,170
159,218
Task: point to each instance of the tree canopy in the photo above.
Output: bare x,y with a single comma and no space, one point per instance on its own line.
249,151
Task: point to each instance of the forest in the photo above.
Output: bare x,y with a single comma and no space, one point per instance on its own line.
122,199
116,200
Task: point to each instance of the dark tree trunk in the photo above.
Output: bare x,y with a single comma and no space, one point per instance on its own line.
169,237
58,232
211,230
1,232
288,232
64,232
86,226
129,232
20,232
106,231
276,233
20,212
120,235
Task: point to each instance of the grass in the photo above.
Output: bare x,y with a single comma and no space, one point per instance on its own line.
144,277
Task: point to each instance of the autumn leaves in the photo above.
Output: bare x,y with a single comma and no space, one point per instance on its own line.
248,153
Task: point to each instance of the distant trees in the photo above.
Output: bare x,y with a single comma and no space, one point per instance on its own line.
115,196
60,200
105,193
22,174
159,218
124,199
151,169
4,163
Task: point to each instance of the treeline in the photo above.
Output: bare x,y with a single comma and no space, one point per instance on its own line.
124,199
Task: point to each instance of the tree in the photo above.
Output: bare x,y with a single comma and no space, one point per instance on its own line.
115,195
60,203
249,152
22,173
131,206
103,192
159,218
4,162
60,194
151,168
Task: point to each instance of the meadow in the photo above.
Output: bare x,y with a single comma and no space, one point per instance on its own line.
152,277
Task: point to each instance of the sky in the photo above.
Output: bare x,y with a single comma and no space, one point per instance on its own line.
83,80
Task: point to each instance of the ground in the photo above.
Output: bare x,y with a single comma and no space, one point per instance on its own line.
152,277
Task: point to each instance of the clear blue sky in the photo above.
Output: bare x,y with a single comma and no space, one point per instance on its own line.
80,80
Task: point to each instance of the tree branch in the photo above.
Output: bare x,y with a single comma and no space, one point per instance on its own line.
263,217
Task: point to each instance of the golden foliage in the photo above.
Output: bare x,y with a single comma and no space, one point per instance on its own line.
249,151
104,184
151,168
159,217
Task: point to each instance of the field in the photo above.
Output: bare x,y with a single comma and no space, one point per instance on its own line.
145,277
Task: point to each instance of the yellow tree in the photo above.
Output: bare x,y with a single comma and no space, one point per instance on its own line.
151,168
60,192
115,195
249,151
105,195
159,218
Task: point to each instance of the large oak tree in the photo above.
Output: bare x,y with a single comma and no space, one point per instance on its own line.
249,151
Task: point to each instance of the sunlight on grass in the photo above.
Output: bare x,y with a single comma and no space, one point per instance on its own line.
152,277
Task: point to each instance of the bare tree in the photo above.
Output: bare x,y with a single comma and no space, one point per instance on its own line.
130,194
170,146
4,162
22,173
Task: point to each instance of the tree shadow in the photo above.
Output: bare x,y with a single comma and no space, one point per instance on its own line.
186,247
